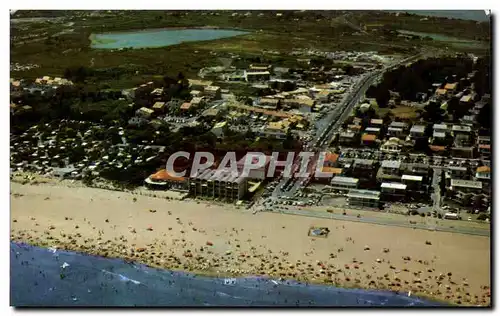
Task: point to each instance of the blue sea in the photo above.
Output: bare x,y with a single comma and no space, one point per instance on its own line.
50,277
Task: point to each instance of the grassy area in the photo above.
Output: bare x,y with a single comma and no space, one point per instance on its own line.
57,44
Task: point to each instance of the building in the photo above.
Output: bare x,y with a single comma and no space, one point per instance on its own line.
331,159
218,129
466,186
391,146
363,198
213,92
220,184
484,146
389,170
412,182
268,103
483,173
331,171
254,174
392,191
185,106
257,75
276,130
368,140
440,128
304,105
200,85
164,181
344,183
397,129
373,130
159,107
363,168
144,112
347,138
457,171
376,122
417,131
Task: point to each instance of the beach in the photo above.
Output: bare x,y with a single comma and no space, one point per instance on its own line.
214,239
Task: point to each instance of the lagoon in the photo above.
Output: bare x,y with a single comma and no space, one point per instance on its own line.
444,38
158,37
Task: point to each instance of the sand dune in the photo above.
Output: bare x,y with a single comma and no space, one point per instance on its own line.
215,239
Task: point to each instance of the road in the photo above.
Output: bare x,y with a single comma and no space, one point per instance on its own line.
382,221
323,136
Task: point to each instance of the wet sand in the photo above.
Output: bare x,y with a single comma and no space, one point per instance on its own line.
223,240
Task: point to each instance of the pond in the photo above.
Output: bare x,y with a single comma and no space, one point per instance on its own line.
444,38
158,37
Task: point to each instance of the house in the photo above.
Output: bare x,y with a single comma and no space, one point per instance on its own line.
257,75
440,128
484,145
392,191
159,107
277,129
185,106
258,68
332,172
451,87
344,183
303,104
195,93
347,138
144,112
164,181
483,173
330,159
363,168
197,101
376,122
213,92
368,140
268,103
457,171
397,129
363,198
391,146
412,182
200,85
373,130
389,170
218,129
417,131
419,169
463,152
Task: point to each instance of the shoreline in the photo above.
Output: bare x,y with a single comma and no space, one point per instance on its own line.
42,214
292,282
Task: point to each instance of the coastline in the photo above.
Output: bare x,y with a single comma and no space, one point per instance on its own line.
221,240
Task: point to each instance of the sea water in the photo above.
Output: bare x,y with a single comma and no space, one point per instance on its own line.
51,277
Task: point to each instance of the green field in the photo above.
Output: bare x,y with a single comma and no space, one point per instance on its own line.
64,42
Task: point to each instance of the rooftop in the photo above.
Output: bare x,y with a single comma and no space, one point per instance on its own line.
164,175
344,180
376,121
411,177
466,184
440,126
393,164
393,185
364,194
417,129
450,86
483,169
185,106
365,162
372,129
398,124
368,137
461,128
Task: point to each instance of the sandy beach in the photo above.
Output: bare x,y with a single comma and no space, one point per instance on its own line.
223,240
